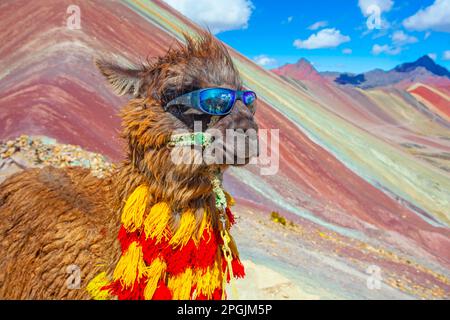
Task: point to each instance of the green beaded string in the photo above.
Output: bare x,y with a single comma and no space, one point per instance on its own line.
192,138
221,199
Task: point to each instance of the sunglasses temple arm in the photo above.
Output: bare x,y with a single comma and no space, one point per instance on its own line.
185,100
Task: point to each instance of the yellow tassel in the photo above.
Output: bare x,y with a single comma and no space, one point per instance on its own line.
208,281
185,230
156,222
181,285
204,224
131,266
155,272
96,284
134,210
230,199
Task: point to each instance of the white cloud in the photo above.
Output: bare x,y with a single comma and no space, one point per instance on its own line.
325,38
264,61
217,15
432,56
378,49
318,25
446,55
383,5
288,20
427,35
435,17
401,38
347,51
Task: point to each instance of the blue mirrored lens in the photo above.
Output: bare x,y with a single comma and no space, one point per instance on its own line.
248,97
217,101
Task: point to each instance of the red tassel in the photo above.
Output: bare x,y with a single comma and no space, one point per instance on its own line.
126,238
151,249
180,258
201,296
217,294
238,268
206,252
135,292
230,216
162,292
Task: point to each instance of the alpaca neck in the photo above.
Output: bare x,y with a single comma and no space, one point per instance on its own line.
197,192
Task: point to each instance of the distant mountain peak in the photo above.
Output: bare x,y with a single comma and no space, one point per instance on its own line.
301,70
426,58
302,61
425,62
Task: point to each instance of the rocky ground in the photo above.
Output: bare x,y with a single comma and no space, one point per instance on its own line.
31,152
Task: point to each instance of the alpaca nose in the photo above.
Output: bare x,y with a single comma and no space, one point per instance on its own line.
248,124
242,117
242,121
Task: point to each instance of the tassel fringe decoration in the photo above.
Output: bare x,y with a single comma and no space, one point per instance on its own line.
159,263
131,266
154,274
181,285
95,286
208,281
155,225
185,230
134,210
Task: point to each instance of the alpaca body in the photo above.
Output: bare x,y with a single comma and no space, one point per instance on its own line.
69,227
55,223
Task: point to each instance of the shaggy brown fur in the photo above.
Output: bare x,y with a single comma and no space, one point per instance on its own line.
53,218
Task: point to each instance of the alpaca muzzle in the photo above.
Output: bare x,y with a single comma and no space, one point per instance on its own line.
212,147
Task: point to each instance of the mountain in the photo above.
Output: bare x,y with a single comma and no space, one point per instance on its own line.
423,69
363,175
425,62
301,70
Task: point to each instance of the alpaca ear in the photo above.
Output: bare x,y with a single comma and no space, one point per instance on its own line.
124,78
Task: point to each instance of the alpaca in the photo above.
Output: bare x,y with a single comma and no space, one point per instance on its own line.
152,229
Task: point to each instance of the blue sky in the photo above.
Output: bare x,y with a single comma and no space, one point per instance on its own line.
335,35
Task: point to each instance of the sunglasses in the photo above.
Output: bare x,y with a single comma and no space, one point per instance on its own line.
213,101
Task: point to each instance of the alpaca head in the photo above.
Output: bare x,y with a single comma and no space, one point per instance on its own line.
202,62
